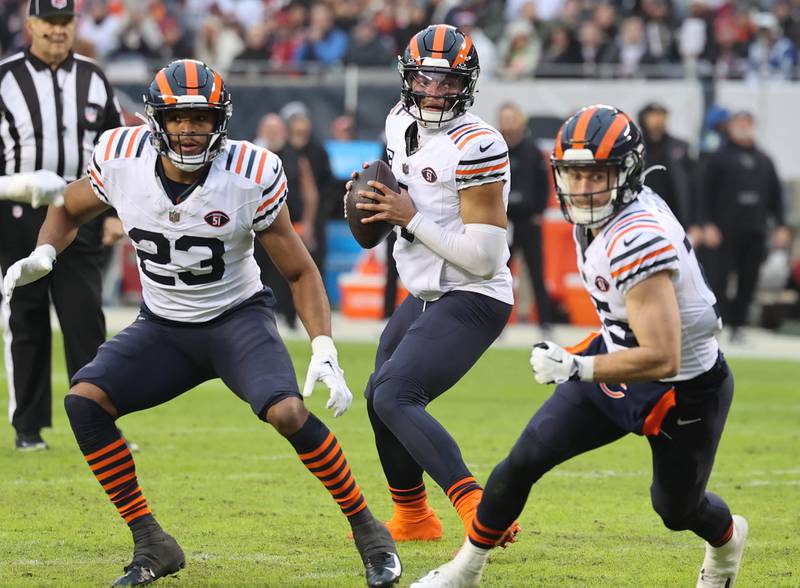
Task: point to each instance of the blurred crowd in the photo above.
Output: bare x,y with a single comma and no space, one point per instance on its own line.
755,39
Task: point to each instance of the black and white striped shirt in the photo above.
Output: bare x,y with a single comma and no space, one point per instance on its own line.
51,119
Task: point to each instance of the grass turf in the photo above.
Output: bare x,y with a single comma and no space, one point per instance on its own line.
248,514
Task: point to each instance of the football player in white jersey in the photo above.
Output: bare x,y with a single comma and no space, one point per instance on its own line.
451,254
193,202
655,368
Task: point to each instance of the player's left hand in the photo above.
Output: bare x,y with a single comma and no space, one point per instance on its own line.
112,231
396,208
324,366
552,364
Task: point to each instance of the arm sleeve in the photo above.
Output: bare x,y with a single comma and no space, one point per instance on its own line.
637,252
479,250
483,161
274,191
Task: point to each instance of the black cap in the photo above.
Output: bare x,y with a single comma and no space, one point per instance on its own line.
48,8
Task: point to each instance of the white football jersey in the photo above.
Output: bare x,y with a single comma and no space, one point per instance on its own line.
464,153
196,257
645,238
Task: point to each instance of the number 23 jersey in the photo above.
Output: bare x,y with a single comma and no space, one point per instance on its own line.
195,257
645,238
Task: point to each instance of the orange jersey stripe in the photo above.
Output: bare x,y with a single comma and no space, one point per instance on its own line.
241,159
105,449
640,260
271,200
608,140
191,77
482,169
628,230
110,143
628,219
583,345
461,132
438,42
461,144
325,444
96,179
129,150
261,163
463,52
163,84
652,424
579,137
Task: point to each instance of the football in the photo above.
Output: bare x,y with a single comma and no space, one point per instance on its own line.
369,235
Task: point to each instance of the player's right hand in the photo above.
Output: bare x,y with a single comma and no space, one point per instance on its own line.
37,265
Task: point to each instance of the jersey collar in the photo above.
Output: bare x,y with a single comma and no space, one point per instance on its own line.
40,65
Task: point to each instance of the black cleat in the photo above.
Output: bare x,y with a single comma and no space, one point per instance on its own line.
30,442
378,552
155,556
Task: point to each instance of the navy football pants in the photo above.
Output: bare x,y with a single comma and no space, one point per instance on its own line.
424,350
569,424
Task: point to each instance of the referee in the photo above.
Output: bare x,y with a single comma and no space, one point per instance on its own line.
54,104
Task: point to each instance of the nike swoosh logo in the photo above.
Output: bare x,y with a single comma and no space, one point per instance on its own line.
395,568
483,148
275,169
627,242
682,422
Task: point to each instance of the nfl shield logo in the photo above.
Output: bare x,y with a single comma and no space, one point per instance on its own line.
405,168
174,216
59,4
90,114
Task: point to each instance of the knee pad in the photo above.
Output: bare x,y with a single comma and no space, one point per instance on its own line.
392,393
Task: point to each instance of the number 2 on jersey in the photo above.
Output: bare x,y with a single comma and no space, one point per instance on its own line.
162,256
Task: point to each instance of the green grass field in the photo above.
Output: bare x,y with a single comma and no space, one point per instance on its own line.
248,514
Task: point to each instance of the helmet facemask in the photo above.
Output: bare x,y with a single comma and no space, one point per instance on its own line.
621,186
458,92
215,139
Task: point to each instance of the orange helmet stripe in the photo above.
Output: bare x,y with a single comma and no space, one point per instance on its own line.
611,136
191,76
163,85
579,136
438,42
413,47
463,52
217,89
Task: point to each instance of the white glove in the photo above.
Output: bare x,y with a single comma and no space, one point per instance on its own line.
324,366
552,364
37,265
39,188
